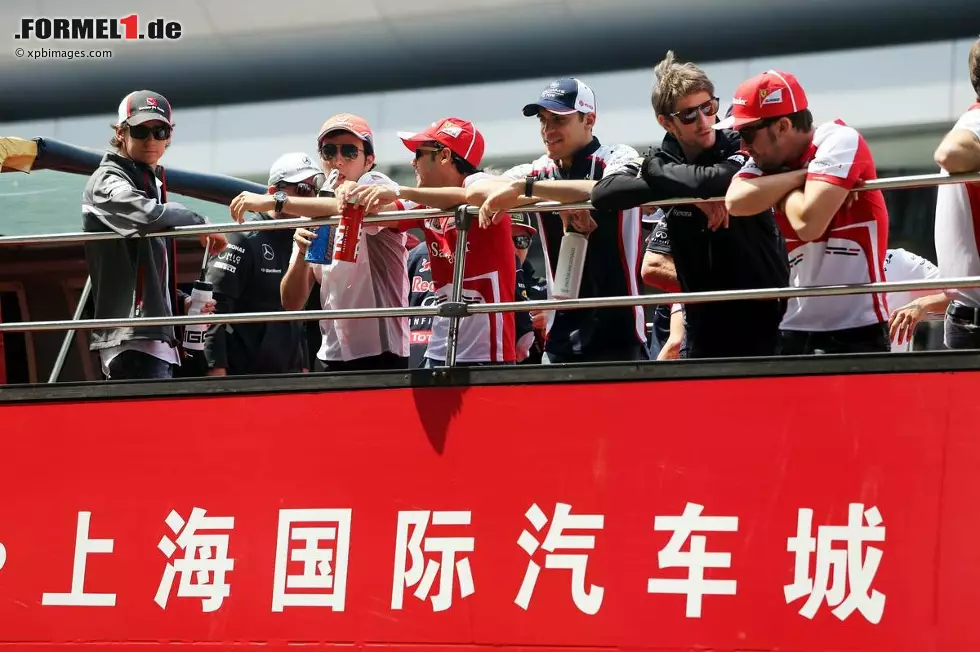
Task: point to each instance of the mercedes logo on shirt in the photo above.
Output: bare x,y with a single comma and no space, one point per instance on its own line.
267,252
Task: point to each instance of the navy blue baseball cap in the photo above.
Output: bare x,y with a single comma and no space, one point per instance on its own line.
564,97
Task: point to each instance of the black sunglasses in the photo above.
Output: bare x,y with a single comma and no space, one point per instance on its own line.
303,188
690,116
434,149
329,151
141,132
748,134
522,241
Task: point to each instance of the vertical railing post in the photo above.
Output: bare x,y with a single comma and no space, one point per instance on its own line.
456,309
66,344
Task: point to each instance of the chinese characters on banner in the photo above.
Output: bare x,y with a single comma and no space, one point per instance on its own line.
836,567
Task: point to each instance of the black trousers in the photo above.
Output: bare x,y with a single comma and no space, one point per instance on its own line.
386,360
863,339
962,327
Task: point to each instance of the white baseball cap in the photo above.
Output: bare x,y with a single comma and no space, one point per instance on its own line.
293,168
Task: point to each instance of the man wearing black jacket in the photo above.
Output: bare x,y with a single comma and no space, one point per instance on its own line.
710,252
246,278
137,276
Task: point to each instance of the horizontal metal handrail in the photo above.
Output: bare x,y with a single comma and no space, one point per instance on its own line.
234,227
551,304
893,183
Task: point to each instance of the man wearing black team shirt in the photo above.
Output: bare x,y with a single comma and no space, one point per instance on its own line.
420,293
574,160
709,251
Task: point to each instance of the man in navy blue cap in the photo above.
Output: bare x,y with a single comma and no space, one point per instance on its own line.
574,160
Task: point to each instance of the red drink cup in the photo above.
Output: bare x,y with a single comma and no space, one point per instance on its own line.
349,233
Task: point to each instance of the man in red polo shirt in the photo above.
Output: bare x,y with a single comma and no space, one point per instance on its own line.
447,158
806,174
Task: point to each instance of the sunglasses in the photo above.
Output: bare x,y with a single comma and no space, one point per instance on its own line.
142,132
304,188
748,134
689,116
522,241
329,151
422,150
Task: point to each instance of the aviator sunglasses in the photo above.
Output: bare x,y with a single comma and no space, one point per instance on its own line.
329,151
689,116
141,132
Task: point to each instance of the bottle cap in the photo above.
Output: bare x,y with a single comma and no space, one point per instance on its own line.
204,286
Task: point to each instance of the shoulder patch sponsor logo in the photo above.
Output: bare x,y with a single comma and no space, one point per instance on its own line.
774,97
738,158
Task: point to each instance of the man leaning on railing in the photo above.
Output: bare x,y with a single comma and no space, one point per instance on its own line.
709,251
958,219
137,277
573,162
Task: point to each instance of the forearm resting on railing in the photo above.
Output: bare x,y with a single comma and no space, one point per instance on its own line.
753,195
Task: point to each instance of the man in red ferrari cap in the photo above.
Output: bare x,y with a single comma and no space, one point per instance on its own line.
447,160
832,237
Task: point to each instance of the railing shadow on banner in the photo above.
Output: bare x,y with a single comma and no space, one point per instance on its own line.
456,309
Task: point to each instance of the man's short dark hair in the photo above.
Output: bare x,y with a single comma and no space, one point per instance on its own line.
974,65
801,120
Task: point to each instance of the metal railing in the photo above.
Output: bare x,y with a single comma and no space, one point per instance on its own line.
456,309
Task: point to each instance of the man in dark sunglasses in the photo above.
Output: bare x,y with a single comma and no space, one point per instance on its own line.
695,247
833,237
378,278
247,277
127,194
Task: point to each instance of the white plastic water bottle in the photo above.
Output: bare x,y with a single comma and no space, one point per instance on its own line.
571,263
194,333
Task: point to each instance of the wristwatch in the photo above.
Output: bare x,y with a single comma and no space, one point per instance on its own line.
280,198
528,186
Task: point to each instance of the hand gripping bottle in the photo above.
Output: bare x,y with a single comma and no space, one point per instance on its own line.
194,333
571,262
321,249
349,232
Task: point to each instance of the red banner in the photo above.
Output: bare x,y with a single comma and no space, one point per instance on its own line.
806,513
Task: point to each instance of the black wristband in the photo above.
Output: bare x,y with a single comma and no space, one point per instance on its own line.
528,186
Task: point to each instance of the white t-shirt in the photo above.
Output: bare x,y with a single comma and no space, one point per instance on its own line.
902,265
377,279
958,223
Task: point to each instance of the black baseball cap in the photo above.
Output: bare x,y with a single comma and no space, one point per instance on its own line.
142,106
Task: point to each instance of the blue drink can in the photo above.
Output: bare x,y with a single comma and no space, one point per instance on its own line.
320,250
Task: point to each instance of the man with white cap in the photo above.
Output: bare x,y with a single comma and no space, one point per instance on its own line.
246,278
378,278
832,236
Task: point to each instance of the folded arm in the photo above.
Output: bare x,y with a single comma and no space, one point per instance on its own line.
811,209
959,152
753,195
